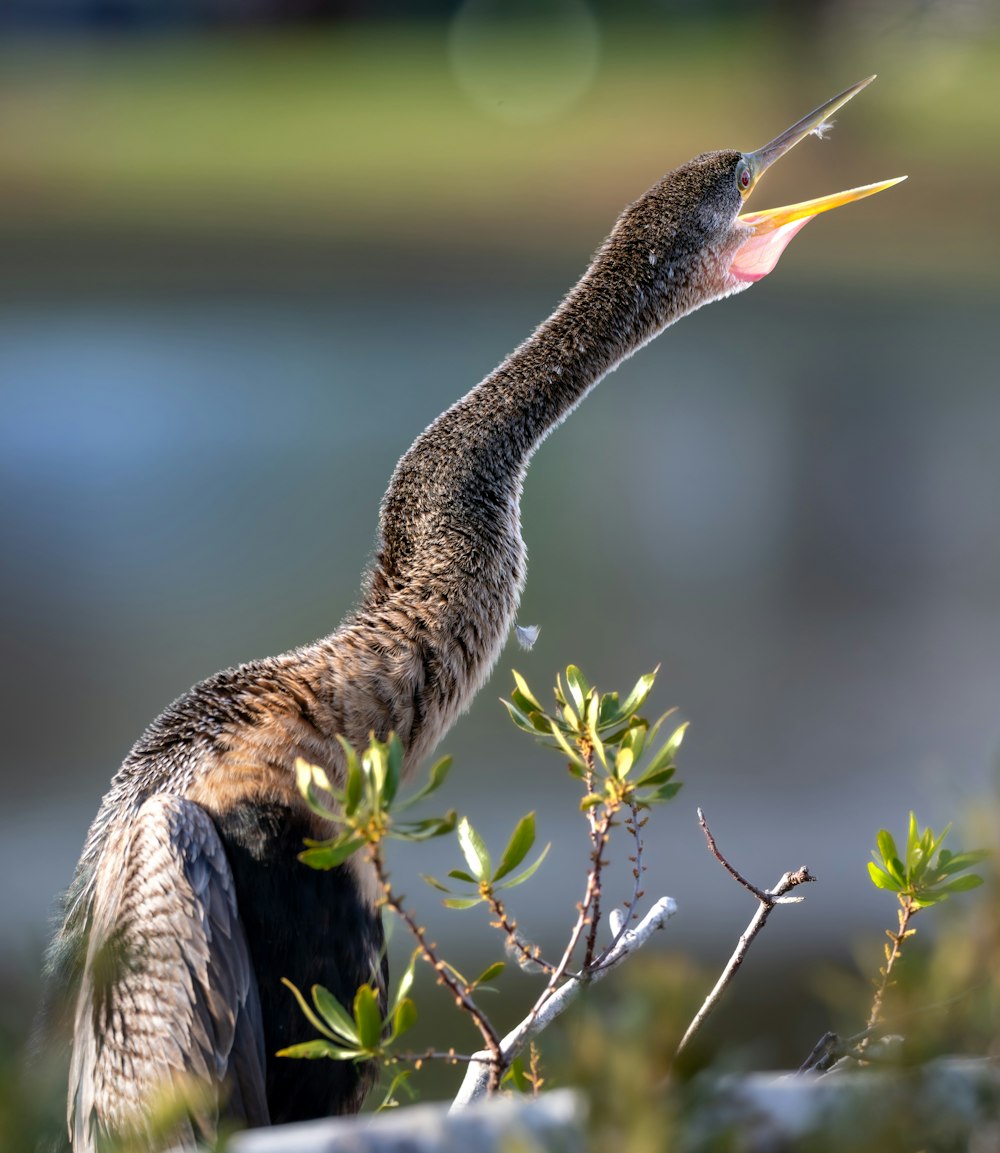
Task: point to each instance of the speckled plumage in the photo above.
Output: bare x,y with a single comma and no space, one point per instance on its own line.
188,880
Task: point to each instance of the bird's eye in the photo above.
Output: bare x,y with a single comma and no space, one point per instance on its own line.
743,177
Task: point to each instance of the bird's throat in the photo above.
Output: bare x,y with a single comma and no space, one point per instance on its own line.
758,256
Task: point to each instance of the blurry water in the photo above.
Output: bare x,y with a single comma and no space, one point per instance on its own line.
791,501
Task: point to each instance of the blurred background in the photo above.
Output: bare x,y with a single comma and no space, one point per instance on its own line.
249,248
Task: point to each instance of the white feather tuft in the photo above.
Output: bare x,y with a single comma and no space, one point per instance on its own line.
527,635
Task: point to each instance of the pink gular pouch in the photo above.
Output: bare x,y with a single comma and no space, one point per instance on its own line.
775,227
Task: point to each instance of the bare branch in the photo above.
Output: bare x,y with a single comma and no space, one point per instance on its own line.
599,832
618,922
449,1056
767,899
477,1078
734,873
527,955
587,912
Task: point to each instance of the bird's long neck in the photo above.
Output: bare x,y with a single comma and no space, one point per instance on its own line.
535,387
444,589
489,436
452,504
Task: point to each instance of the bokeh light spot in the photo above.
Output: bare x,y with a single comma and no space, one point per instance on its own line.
524,60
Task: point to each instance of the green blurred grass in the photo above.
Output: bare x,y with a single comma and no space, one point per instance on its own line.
363,132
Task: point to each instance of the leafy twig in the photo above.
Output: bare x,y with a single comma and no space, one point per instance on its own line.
923,874
445,974
612,751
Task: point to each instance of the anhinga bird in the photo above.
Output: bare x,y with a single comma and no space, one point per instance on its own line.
189,904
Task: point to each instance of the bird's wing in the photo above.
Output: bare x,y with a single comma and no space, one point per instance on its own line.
168,1005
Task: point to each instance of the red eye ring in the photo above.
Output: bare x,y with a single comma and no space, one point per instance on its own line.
745,178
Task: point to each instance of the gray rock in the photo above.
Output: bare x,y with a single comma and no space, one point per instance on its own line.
552,1123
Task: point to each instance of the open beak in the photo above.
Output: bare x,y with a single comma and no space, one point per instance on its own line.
775,227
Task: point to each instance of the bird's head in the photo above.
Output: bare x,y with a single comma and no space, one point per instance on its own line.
690,236
771,229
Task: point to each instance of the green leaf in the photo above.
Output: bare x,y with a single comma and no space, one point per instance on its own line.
590,801
882,879
963,884
559,694
521,719
489,973
404,1017
393,769
461,902
474,849
309,777
609,713
329,856
313,1049
436,778
522,688
951,863
352,776
426,829
523,704
367,1018
624,759
665,754
389,1100
615,738
890,856
518,846
462,875
590,709
434,883
598,745
636,736
912,837
579,690
655,777
576,761
926,899
637,697
935,843
373,768
307,1011
655,730
518,1077
408,977
334,1014
664,792
513,882
352,788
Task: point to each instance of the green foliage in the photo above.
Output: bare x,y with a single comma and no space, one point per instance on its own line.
925,874
621,762
366,808
605,740
480,871
363,1034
